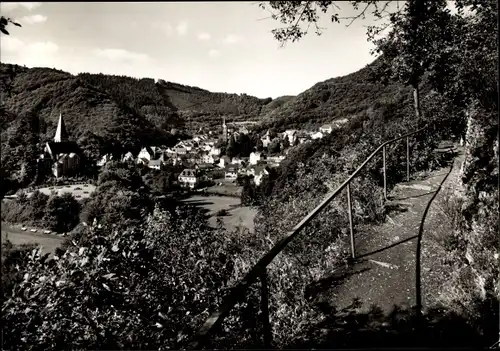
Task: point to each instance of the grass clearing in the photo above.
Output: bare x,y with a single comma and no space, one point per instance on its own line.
16,236
79,191
237,215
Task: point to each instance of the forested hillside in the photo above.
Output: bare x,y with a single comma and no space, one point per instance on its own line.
358,94
103,113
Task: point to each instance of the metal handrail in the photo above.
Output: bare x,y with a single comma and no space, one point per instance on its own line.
259,269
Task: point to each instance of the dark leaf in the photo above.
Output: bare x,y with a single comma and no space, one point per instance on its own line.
4,31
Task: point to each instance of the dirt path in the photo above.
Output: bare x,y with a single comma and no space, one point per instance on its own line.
388,270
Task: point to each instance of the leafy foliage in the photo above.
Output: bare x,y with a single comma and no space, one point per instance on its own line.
138,288
4,22
120,199
57,213
12,256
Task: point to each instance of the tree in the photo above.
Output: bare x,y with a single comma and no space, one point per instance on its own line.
412,45
4,22
248,192
259,146
274,147
285,144
62,213
231,149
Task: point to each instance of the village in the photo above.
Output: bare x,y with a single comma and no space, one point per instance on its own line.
203,160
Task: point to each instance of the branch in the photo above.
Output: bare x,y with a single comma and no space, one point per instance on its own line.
306,5
353,18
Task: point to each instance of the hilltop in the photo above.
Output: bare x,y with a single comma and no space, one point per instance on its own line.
355,95
131,110
147,103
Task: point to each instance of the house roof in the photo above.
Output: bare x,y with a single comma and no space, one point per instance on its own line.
340,121
231,169
151,149
61,133
205,166
64,147
189,172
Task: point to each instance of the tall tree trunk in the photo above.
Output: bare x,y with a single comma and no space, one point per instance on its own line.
416,103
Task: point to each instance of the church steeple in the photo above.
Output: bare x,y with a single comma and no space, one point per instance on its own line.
61,133
224,129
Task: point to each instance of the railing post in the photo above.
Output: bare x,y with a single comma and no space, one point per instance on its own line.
385,173
407,159
266,324
349,211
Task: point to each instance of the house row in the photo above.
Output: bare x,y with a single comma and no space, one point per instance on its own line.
192,177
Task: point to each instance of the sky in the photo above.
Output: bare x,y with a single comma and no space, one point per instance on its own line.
218,46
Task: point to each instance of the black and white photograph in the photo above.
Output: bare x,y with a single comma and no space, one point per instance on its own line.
250,175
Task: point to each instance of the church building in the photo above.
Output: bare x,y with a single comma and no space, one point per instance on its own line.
61,156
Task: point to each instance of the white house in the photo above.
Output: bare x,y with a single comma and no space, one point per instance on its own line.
266,139
155,164
105,159
148,153
180,150
326,129
216,151
291,134
128,157
317,135
224,161
231,173
255,157
208,158
189,178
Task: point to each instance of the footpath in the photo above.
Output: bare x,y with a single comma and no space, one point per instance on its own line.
388,270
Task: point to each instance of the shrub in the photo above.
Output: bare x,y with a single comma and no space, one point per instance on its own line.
147,287
26,210
12,256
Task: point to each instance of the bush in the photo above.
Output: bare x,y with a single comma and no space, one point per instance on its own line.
147,287
26,210
12,256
